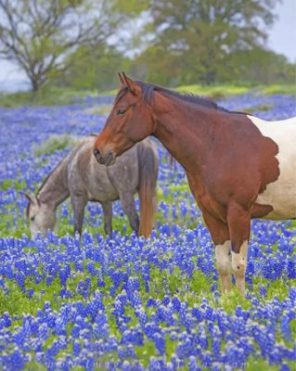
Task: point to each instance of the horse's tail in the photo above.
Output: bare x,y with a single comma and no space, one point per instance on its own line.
148,171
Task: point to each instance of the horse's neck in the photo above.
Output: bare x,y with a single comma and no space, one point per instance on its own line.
55,189
181,131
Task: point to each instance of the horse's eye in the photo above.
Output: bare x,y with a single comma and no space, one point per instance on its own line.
120,111
32,218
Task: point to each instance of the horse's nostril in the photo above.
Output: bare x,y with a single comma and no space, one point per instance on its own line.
96,152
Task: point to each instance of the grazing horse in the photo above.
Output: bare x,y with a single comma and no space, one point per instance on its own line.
80,176
238,166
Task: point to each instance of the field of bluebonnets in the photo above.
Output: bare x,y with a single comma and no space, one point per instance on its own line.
125,302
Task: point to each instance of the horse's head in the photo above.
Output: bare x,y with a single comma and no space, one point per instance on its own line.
40,216
129,122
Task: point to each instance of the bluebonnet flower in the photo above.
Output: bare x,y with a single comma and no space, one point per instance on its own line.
103,300
15,360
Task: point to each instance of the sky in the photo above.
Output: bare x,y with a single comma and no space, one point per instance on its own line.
282,35
282,39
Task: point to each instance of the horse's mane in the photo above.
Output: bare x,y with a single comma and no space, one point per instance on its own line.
42,185
148,90
45,180
64,161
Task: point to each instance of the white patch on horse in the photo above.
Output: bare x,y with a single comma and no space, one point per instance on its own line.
281,194
239,260
239,266
222,255
223,259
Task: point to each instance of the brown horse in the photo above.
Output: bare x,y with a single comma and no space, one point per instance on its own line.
238,167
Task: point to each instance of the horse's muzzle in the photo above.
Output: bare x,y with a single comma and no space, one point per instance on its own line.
107,159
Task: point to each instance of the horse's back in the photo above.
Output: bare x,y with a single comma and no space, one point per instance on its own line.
281,194
106,183
126,173
148,158
86,175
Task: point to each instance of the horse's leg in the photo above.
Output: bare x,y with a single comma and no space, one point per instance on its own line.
239,222
220,235
128,205
223,259
107,210
78,204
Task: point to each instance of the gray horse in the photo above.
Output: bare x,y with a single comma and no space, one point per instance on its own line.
81,177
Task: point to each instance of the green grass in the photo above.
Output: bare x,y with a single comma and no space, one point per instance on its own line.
162,282
215,91
103,109
9,183
44,97
34,366
226,90
260,365
49,96
9,227
256,108
12,224
192,290
278,89
56,143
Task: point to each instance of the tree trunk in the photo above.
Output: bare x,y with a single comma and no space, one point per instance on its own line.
35,85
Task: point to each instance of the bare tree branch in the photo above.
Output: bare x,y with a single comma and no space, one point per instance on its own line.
39,35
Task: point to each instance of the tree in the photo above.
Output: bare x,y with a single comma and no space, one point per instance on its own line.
261,66
93,68
39,35
198,35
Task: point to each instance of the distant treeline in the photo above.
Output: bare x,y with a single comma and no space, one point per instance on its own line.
82,44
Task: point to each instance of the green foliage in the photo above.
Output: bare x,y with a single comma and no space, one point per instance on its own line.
176,42
55,143
16,302
200,284
131,6
259,66
145,353
293,328
47,96
119,224
11,224
230,301
12,183
219,91
278,288
197,41
258,108
259,365
214,91
280,88
192,290
34,366
39,36
175,194
93,68
103,109
50,95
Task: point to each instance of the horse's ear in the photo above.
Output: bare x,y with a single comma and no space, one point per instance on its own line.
121,79
32,199
132,86
29,197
